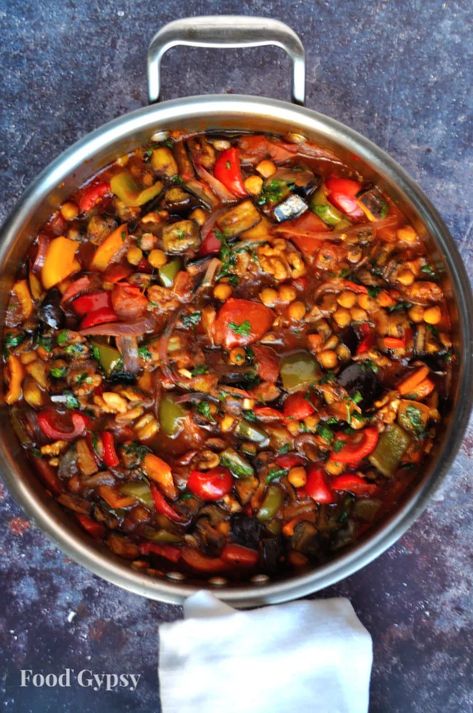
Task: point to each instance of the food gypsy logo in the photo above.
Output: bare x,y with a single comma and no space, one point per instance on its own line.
85,678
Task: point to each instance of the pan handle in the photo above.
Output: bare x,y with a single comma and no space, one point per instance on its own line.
226,31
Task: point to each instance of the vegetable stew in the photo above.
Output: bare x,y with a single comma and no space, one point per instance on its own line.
227,354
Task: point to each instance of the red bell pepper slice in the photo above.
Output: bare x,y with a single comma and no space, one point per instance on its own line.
110,457
241,322
210,245
239,555
289,460
173,554
91,302
266,413
342,192
92,195
116,273
355,287
48,422
99,316
162,506
358,449
367,338
317,486
298,407
199,562
228,171
94,528
210,485
394,342
354,484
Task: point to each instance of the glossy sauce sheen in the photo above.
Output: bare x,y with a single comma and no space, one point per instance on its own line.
227,355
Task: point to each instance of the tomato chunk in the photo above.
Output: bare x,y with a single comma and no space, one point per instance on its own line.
212,484
128,301
297,406
241,322
227,170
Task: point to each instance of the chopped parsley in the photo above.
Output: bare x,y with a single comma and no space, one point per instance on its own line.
273,192
399,306
144,352
325,432
138,450
12,341
177,180
371,365
275,474
190,320
200,369
203,407
76,349
338,445
83,378
374,291
250,416
415,419
244,328
284,449
63,337
429,270
58,372
357,397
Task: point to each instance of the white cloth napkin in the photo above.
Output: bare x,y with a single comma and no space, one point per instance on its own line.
301,657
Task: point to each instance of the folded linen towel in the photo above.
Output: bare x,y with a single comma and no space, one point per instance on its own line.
301,657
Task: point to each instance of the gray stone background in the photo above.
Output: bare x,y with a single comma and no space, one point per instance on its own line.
400,73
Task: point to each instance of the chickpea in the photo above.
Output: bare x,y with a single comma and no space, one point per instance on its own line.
266,168
293,427
287,293
296,311
222,291
328,359
254,185
268,296
334,468
432,315
407,234
343,352
237,356
69,211
342,317
157,258
358,314
416,314
367,302
346,299
134,255
297,477
406,277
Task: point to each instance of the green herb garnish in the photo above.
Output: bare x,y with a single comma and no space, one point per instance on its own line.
63,337
203,407
244,328
190,320
200,369
276,474
58,372
250,416
12,341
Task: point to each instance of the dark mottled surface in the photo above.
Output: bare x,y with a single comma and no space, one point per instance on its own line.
399,72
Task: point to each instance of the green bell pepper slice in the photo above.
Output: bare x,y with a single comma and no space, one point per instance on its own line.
390,448
125,187
325,210
109,358
299,370
273,500
171,416
167,273
236,464
140,490
252,432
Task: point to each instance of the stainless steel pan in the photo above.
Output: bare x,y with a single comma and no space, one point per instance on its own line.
239,112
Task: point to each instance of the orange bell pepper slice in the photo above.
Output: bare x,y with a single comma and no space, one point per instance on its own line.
60,261
408,385
15,373
113,498
111,247
158,470
22,293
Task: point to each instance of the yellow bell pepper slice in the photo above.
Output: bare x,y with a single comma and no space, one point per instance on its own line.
60,261
22,293
112,246
125,187
15,374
